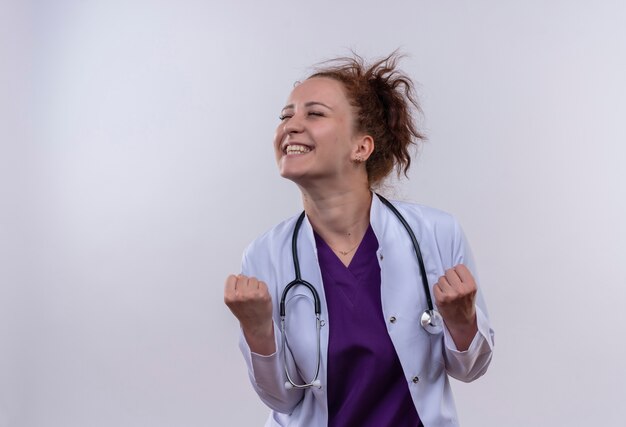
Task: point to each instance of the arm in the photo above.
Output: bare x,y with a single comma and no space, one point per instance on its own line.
455,293
250,302
468,336
468,339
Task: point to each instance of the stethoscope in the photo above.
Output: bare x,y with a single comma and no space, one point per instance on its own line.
431,320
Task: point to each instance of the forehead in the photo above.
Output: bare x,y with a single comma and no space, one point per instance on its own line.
319,89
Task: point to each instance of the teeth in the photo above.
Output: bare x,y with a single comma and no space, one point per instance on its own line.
297,149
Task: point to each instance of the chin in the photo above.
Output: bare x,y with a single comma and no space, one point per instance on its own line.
291,176
297,176
289,171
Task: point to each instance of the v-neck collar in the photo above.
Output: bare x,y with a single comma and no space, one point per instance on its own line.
367,247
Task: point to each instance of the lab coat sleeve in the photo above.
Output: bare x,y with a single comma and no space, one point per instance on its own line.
469,365
267,373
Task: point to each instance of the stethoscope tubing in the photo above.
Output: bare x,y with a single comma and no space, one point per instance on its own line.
298,280
431,320
416,248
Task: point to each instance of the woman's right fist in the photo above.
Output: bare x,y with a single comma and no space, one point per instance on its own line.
251,303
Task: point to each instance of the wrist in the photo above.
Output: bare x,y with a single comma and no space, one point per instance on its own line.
466,324
462,333
260,338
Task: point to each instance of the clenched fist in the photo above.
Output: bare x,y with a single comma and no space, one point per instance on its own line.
251,303
455,294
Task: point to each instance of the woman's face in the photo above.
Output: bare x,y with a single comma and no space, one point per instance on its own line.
315,138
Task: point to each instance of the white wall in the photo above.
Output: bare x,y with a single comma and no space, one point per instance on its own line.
136,164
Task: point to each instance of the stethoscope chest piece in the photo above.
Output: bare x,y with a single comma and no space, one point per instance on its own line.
432,322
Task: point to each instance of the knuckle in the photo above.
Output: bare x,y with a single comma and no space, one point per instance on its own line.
444,299
469,290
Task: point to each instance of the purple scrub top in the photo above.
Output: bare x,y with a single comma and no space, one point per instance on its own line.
366,384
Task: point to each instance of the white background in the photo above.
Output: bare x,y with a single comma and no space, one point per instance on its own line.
136,165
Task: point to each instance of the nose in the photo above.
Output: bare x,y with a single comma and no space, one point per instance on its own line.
293,125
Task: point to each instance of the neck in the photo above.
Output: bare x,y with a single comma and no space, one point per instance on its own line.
340,216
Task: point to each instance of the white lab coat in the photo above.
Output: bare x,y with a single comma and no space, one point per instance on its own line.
426,359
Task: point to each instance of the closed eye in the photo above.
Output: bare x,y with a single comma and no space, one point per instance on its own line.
283,117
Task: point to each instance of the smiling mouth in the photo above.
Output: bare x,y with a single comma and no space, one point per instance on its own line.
297,149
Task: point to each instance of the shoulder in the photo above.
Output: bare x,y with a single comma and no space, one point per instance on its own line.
438,230
271,243
432,219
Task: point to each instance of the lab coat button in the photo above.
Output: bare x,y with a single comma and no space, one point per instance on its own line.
415,380
392,319
381,257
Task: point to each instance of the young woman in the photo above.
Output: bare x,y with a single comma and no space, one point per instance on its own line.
374,357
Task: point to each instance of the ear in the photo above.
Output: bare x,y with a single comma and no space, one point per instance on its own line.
363,148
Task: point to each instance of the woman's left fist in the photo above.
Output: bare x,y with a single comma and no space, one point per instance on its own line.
455,293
